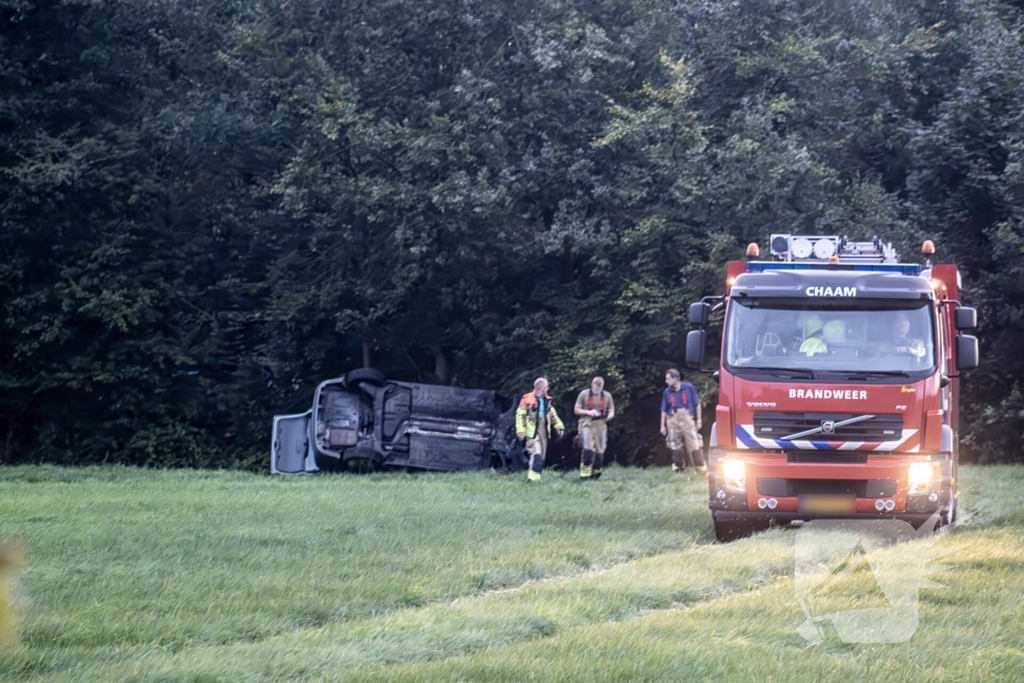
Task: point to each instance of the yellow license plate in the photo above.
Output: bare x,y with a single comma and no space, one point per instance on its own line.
827,505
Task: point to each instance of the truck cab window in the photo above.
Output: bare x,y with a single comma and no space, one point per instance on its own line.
895,336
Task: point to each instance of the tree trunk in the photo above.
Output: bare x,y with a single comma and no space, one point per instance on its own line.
367,354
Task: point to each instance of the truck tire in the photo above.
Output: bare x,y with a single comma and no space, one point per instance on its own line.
733,530
353,378
949,516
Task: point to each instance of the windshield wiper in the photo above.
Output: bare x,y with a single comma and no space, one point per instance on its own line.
871,374
792,372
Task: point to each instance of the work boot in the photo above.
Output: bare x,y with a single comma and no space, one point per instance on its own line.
678,463
586,464
532,476
596,475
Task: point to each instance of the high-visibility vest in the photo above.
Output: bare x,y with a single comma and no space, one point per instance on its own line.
530,399
813,345
526,416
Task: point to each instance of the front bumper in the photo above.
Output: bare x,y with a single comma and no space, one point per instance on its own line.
881,479
915,519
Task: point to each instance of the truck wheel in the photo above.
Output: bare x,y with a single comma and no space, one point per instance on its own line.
732,530
353,378
728,531
949,516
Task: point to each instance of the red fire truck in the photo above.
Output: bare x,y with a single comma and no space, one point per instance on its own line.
839,385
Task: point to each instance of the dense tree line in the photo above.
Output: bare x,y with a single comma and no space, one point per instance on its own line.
207,207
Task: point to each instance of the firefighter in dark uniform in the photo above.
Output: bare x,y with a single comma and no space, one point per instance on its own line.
595,408
535,418
680,420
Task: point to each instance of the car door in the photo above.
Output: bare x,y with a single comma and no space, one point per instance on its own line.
291,450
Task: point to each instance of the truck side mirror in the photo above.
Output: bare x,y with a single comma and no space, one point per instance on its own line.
965,318
966,351
695,342
700,313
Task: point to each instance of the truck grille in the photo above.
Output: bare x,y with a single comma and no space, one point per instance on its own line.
827,486
837,457
782,425
871,488
798,487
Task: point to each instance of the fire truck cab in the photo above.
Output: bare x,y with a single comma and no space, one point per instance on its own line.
839,385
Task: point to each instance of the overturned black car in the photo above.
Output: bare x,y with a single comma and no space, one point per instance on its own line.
365,422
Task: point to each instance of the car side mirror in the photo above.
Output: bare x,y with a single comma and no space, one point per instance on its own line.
965,318
966,351
700,313
695,343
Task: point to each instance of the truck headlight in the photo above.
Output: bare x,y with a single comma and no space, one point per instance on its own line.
920,476
735,473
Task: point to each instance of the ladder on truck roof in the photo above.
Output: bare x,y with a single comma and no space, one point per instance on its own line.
831,249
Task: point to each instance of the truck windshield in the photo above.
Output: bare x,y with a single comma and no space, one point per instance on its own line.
798,338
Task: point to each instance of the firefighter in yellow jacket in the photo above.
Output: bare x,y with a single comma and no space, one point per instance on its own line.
535,418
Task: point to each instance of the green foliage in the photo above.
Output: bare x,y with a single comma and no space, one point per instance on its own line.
207,210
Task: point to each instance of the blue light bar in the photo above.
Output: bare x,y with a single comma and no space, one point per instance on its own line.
901,268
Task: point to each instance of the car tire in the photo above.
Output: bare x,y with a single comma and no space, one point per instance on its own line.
353,378
362,465
328,464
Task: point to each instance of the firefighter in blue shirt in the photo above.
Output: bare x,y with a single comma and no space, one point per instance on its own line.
680,420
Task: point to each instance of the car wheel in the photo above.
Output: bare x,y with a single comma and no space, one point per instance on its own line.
361,465
328,464
353,378
498,463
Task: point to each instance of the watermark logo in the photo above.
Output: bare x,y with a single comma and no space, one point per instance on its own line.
863,576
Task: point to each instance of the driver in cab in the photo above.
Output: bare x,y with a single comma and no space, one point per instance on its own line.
903,342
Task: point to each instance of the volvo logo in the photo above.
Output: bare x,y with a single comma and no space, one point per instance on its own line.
828,427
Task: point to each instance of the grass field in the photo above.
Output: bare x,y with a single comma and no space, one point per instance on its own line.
213,576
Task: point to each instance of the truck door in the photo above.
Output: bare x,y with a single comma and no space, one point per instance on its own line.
291,449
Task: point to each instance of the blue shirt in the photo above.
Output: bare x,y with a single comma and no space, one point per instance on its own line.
542,404
686,390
